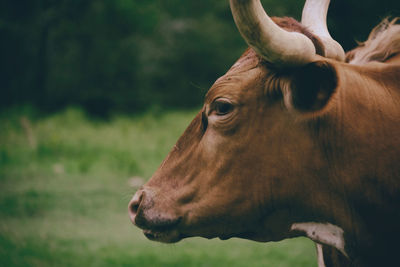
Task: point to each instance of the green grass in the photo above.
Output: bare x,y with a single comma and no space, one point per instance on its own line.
64,190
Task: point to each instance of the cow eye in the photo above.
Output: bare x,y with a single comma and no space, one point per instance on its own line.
222,107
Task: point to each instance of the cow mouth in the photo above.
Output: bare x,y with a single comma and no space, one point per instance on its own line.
161,230
169,236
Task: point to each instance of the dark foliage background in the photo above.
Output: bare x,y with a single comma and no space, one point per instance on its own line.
132,55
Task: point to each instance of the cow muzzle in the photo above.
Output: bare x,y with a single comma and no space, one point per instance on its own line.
156,225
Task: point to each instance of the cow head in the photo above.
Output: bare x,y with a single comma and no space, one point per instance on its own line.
248,165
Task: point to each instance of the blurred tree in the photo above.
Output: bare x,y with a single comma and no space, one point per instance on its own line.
351,20
131,55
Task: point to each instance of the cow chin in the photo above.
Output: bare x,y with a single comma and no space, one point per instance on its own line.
159,227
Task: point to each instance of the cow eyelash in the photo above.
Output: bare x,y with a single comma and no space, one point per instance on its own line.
222,106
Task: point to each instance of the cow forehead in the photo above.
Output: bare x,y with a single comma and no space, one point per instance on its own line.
233,83
247,61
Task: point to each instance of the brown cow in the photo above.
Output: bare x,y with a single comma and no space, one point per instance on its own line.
292,141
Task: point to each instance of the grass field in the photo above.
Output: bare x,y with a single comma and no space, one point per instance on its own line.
65,182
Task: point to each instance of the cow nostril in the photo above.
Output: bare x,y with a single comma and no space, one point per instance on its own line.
133,208
134,205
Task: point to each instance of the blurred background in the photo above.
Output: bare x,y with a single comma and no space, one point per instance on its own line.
93,95
132,56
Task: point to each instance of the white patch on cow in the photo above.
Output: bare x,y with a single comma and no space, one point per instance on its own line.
320,255
323,233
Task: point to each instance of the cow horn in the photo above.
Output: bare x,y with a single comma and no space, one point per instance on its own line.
314,18
277,46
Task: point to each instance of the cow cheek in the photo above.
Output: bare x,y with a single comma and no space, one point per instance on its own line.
218,215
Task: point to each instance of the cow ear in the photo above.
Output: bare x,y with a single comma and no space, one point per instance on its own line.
311,87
